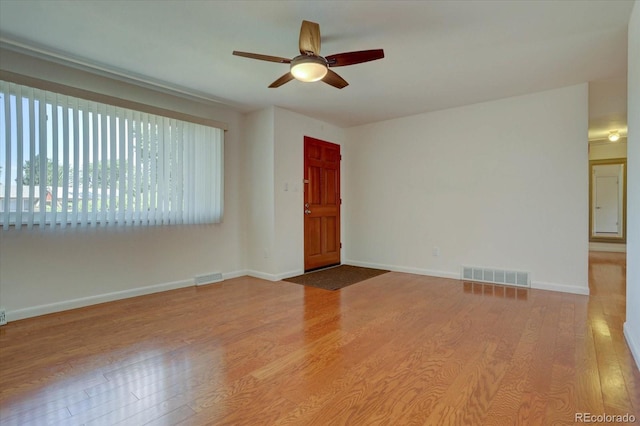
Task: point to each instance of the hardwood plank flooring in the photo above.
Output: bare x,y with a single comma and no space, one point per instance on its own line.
398,349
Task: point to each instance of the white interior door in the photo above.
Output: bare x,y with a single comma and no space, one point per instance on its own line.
606,205
607,200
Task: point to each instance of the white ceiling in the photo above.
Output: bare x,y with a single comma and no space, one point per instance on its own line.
439,54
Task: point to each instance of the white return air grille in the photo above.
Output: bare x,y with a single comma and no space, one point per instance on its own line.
496,276
214,277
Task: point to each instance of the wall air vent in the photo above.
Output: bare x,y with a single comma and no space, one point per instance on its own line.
496,276
214,277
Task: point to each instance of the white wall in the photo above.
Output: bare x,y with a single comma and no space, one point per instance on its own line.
258,165
500,184
42,272
632,325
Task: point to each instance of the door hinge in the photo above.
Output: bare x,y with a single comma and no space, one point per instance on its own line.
340,200
340,245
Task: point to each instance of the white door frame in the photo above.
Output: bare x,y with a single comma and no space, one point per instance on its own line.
621,175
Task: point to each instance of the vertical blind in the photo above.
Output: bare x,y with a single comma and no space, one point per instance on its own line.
66,161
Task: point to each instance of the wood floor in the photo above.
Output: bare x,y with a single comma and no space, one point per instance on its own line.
398,349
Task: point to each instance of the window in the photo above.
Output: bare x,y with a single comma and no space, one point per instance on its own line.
66,161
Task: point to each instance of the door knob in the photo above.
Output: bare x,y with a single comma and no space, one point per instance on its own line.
306,205
307,211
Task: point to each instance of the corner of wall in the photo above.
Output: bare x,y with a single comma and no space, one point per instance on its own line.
633,340
632,325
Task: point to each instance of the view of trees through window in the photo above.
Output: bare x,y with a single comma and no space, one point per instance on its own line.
66,160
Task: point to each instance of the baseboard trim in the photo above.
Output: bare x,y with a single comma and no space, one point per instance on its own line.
109,297
234,274
66,305
274,277
633,340
94,300
563,288
140,291
405,269
290,274
456,276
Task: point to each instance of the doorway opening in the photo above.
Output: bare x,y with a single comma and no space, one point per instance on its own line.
607,200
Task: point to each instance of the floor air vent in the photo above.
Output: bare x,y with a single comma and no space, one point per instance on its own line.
215,277
496,276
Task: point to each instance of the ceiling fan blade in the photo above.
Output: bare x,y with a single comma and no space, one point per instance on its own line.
335,80
352,58
282,80
309,38
262,57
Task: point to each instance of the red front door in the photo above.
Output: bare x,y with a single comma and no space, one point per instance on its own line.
321,204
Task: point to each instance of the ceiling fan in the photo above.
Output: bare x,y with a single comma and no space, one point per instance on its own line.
309,65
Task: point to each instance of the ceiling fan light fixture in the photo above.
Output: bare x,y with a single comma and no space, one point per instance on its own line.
614,136
308,68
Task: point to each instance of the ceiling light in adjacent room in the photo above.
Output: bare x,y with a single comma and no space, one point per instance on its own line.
308,68
614,135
